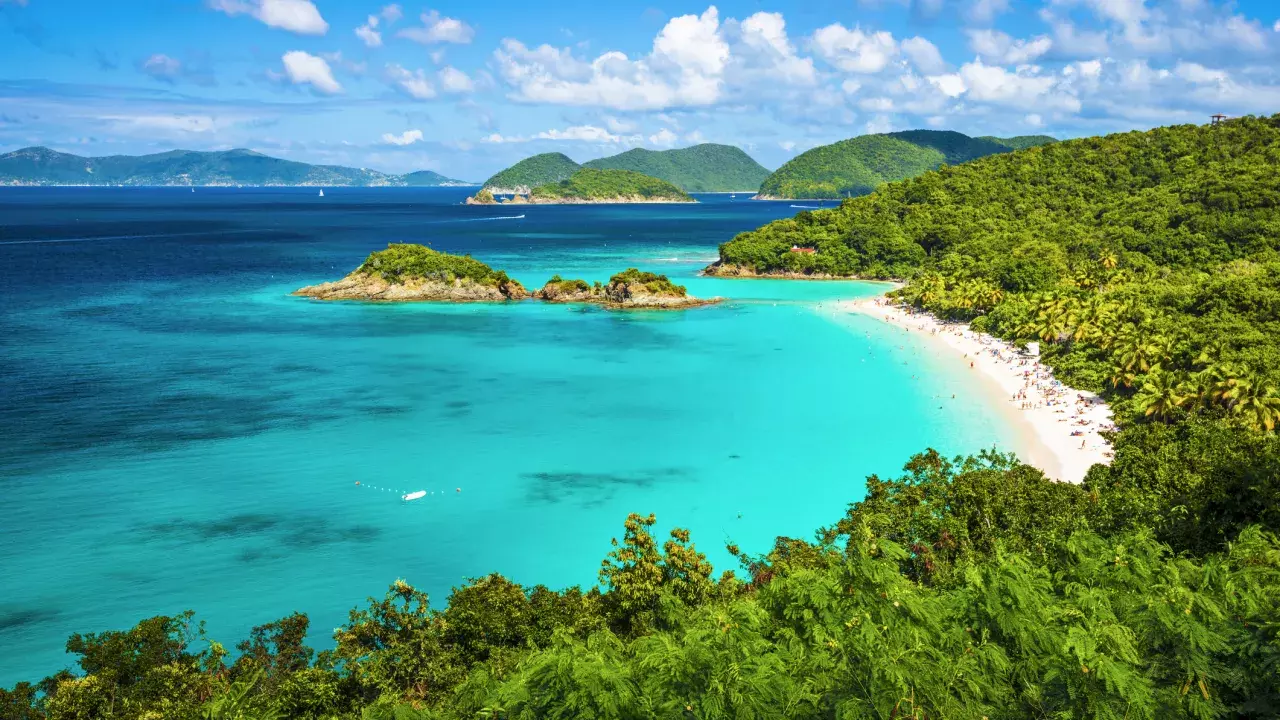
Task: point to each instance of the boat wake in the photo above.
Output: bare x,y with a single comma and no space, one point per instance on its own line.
808,207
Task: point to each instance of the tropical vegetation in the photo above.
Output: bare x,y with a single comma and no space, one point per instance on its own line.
405,261
653,283
700,168
1020,142
591,185
859,165
532,172
42,166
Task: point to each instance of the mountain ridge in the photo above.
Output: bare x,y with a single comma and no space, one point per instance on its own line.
39,165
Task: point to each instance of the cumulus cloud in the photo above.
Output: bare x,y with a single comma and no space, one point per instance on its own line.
453,80
302,68
392,14
498,138
408,137
984,11
663,138
298,16
997,47
854,50
368,32
413,83
924,55
162,67
695,61
166,123
438,29
581,133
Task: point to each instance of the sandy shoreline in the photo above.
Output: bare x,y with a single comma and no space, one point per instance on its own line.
1047,409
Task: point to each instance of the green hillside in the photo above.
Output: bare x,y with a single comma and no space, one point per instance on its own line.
859,165
701,168
428,178
532,172
592,185
1021,142
42,166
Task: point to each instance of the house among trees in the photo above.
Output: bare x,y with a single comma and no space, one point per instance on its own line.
798,249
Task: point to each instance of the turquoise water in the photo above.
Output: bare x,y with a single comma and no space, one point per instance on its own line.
180,433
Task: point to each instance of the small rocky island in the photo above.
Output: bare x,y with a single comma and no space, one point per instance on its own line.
630,289
416,273
408,273
589,186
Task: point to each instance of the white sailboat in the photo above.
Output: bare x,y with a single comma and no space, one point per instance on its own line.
322,193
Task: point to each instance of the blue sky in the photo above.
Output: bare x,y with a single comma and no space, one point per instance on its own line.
467,88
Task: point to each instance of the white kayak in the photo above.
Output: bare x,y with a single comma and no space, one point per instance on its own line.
414,495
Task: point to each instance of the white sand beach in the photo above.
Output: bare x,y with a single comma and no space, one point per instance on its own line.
1063,423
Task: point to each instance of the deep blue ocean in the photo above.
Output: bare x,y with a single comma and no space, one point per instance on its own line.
177,432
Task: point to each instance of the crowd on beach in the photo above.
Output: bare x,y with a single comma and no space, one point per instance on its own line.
1032,387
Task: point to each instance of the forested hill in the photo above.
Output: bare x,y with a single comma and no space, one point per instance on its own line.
859,165
42,166
701,168
1021,142
429,178
532,172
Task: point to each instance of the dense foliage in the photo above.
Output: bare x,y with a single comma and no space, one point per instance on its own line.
859,165
653,282
532,172
961,590
404,261
42,166
1020,142
701,168
602,185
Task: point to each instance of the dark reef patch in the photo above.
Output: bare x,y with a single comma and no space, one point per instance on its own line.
19,618
297,532
592,489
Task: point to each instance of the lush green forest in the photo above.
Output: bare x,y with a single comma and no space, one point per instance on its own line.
42,166
589,184
403,261
1144,263
428,178
701,168
859,165
1020,142
532,172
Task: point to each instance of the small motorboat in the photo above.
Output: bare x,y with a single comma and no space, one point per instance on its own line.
414,495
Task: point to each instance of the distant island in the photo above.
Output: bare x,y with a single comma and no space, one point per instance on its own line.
707,167
407,272
589,185
631,288
859,165
42,166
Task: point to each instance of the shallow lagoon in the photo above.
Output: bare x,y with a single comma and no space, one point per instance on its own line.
180,433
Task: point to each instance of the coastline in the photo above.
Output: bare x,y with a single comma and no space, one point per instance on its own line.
1049,413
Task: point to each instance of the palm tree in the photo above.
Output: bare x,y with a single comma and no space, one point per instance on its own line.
1162,395
1136,352
1108,260
1259,405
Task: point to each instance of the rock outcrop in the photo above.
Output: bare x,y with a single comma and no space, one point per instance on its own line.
370,287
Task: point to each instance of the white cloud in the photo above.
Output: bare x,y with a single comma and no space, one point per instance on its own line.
1199,74
368,32
392,14
408,137
1033,119
763,50
695,137
162,67
997,47
498,138
684,69
618,126
167,123
581,133
439,29
854,50
1276,27
1024,88
413,83
787,145
663,138
298,16
306,69
924,55
951,84
984,11
453,80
